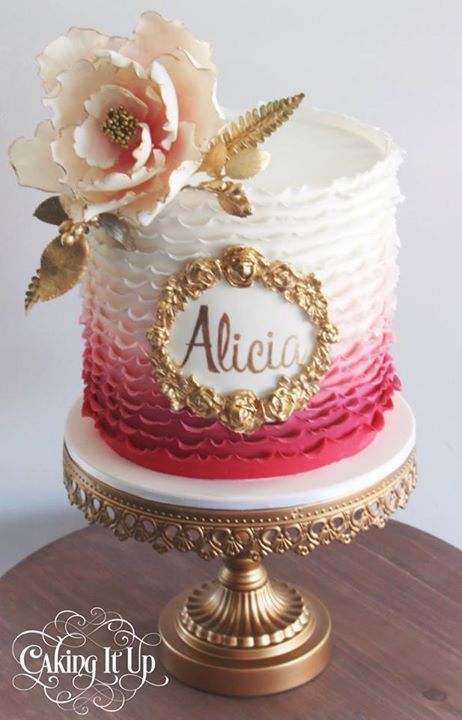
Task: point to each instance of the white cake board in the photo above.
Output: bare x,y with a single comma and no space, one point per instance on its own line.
387,453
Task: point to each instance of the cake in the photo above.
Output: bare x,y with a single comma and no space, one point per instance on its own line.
230,332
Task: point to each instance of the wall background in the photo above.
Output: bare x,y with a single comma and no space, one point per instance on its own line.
397,65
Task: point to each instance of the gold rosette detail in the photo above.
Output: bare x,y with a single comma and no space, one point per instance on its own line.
205,402
243,411
281,404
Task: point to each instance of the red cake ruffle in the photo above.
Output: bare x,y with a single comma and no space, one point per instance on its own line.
135,419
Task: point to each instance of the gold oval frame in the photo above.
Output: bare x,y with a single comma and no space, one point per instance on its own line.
241,411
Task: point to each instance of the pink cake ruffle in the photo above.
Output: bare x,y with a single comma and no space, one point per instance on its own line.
135,419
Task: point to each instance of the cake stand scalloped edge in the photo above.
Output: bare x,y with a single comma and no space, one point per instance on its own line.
233,533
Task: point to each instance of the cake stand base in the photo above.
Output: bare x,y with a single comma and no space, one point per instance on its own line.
245,634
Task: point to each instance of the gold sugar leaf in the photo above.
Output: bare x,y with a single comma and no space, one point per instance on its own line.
230,195
51,211
255,126
214,160
61,267
247,163
233,200
117,229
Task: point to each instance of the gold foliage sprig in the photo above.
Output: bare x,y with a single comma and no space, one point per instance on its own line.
248,131
65,259
62,265
234,152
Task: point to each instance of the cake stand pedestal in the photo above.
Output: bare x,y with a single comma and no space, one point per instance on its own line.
243,633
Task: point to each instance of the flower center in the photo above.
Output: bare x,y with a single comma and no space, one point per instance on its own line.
120,125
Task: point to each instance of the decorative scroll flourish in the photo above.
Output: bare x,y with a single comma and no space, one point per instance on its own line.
244,533
242,411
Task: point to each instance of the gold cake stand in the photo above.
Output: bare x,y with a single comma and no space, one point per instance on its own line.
242,633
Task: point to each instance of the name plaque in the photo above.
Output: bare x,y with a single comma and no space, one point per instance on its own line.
241,339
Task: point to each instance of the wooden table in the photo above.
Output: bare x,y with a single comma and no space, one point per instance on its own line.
394,596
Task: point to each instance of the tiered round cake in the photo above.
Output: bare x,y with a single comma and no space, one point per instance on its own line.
325,205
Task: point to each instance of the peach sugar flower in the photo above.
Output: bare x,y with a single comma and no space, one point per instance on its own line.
130,119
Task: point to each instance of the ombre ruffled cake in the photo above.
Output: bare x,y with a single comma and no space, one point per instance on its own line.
231,330
326,205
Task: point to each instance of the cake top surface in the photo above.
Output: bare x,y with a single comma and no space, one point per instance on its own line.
317,148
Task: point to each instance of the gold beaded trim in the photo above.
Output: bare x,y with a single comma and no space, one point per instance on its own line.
242,411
